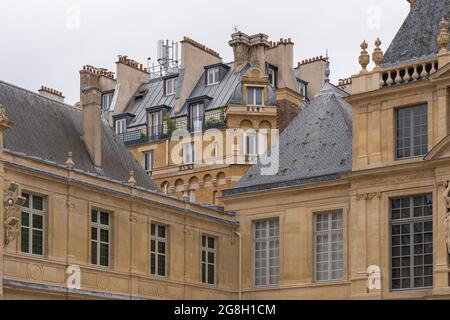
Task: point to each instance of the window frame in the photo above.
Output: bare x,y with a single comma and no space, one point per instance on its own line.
199,114
154,130
215,73
99,226
119,125
255,89
206,249
173,82
145,156
411,221
192,153
329,233
30,211
411,146
267,241
166,254
246,144
109,97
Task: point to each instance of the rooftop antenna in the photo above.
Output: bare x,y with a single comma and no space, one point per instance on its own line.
236,28
327,68
167,59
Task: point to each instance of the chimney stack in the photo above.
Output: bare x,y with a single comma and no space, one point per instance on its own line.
51,94
412,4
92,123
249,49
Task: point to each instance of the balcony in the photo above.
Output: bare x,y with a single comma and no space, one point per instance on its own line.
143,135
408,73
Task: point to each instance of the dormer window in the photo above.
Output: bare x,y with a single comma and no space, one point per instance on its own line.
121,126
213,76
255,96
197,117
273,77
107,98
171,86
155,124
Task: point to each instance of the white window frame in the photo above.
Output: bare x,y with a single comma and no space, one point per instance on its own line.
254,136
121,126
301,88
197,113
157,239
30,211
205,263
272,72
189,153
171,86
255,89
331,232
270,279
99,227
148,160
154,124
213,76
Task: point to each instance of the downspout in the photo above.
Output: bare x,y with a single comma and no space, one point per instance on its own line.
240,263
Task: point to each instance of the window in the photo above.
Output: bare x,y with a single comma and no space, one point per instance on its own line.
329,253
100,238
154,124
197,117
158,250
272,73
32,222
121,126
216,198
412,242
213,76
255,96
251,144
107,98
148,160
188,153
301,88
209,257
266,252
171,86
165,187
412,132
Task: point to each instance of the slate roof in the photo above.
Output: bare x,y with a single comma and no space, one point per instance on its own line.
47,130
417,38
317,146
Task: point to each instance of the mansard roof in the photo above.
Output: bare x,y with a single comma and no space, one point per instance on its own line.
417,37
46,130
317,146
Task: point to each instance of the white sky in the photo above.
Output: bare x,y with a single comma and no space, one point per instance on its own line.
46,42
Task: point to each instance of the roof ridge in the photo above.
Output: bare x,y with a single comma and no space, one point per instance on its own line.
40,96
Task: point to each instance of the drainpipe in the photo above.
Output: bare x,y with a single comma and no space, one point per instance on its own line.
240,263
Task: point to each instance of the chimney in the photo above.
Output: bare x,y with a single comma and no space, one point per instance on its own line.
92,123
51,94
249,49
312,71
412,4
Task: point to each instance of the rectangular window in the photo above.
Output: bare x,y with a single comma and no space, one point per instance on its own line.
197,117
213,76
209,257
107,98
266,252
148,160
32,225
412,242
412,132
121,126
191,195
301,88
188,153
100,238
272,73
329,253
255,96
154,124
171,86
159,250
251,144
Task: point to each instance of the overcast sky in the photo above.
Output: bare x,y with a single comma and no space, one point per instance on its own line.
46,42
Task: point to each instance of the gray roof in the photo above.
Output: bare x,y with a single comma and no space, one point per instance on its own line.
417,38
317,146
47,130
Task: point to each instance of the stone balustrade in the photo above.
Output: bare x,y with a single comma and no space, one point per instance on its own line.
408,73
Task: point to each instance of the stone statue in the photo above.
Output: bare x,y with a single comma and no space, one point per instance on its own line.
447,219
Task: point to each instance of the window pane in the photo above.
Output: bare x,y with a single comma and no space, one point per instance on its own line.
93,252
412,131
38,221
37,242
251,96
104,218
25,240
259,96
104,254
38,203
161,265
25,219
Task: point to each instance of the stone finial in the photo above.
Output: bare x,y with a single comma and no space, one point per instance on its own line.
132,180
444,36
70,164
377,55
364,58
5,123
327,70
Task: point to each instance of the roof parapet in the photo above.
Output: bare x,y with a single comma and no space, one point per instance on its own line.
311,60
201,46
100,72
132,63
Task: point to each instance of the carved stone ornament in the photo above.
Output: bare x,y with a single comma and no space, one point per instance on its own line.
364,58
12,205
447,219
444,36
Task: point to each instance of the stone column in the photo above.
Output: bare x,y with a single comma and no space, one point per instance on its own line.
441,268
